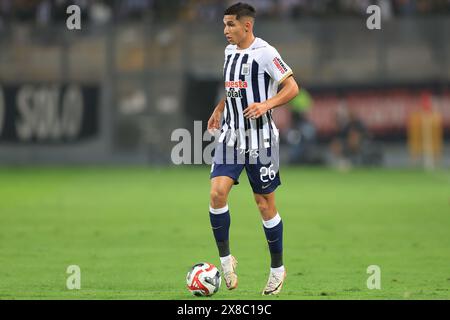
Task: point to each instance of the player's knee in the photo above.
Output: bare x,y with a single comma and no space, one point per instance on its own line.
218,197
263,205
266,207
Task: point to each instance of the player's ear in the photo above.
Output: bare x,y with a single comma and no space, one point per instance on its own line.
251,23
246,23
248,26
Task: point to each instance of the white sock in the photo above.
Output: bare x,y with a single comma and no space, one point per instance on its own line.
277,270
225,260
272,222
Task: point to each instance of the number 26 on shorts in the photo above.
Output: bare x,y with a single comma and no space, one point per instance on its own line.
267,173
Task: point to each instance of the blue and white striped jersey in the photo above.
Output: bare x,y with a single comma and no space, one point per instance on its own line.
251,75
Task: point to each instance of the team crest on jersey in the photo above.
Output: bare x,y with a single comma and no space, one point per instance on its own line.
245,69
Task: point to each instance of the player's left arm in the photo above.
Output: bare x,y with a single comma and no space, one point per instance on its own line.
280,72
289,89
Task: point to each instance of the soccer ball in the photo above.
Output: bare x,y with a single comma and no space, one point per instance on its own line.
203,279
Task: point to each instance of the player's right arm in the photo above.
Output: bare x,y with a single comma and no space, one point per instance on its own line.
214,120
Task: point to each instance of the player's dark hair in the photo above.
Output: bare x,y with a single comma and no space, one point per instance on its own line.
241,10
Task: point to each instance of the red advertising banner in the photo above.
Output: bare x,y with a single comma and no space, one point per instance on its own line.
385,112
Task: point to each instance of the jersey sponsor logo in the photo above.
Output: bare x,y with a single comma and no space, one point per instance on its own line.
280,65
236,84
260,47
232,93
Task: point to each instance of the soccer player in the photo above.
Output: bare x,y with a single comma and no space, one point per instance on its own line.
253,73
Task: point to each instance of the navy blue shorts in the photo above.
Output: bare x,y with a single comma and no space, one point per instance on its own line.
262,166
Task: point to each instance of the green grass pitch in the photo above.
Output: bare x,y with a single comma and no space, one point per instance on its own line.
134,232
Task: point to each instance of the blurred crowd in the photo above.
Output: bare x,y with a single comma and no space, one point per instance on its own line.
46,12
293,9
351,145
